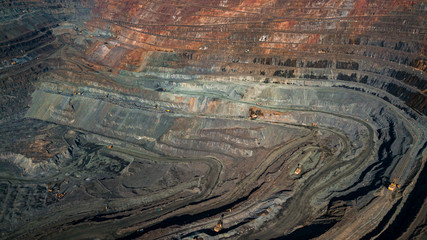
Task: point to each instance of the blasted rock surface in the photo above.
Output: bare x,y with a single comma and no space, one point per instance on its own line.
219,119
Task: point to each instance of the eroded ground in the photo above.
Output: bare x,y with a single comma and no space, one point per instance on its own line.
161,119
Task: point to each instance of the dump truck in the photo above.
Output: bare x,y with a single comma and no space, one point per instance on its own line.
218,226
298,170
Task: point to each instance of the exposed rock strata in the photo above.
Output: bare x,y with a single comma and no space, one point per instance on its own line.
167,116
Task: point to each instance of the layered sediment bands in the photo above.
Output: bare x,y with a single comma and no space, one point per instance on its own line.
158,119
353,41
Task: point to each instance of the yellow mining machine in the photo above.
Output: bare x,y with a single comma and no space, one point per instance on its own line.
254,114
218,226
298,169
393,185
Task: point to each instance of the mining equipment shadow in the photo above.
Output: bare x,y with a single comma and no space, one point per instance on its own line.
187,218
408,213
212,233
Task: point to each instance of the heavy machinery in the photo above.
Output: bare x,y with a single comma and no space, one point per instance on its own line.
59,196
393,185
298,169
218,226
159,89
254,114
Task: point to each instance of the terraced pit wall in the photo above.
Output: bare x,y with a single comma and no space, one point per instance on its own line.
168,116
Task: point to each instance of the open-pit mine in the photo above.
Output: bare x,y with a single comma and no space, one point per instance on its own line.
213,119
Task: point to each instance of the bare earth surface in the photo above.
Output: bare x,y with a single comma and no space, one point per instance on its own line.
164,119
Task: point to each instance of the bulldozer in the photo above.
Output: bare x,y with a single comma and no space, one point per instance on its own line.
393,185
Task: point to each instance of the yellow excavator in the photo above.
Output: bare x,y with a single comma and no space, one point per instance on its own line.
393,185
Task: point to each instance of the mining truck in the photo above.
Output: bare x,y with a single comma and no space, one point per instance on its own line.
298,169
393,185
218,226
